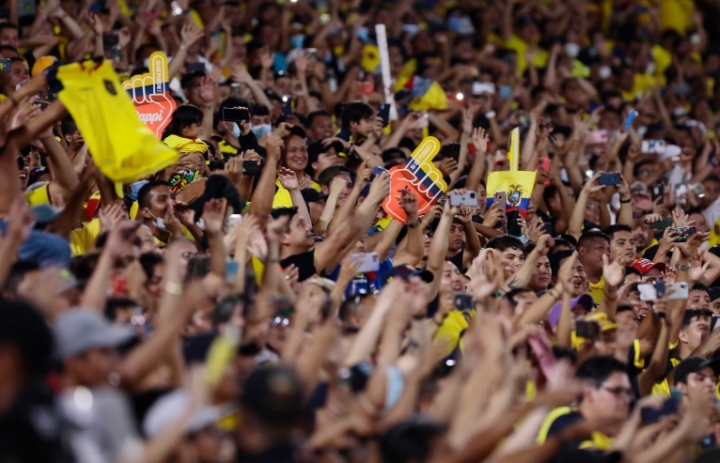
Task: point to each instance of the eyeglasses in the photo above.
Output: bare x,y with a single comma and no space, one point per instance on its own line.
619,392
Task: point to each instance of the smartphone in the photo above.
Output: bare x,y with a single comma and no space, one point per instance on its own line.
233,219
587,329
629,120
464,302
365,88
653,415
658,191
312,52
501,200
661,224
543,164
596,137
684,233
714,323
609,178
287,105
251,168
116,54
231,271
469,199
676,394
5,65
647,292
195,67
652,146
377,170
235,89
235,115
384,113
369,262
481,88
110,40
677,291
660,287
27,8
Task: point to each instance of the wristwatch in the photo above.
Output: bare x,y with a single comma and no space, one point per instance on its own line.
414,224
682,267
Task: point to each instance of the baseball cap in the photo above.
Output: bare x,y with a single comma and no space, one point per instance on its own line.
638,187
78,331
645,265
41,64
693,365
311,195
317,148
45,213
330,173
405,272
169,408
601,319
274,395
584,300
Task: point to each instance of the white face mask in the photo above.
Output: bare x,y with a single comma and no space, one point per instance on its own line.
261,130
605,72
572,49
236,130
650,69
159,223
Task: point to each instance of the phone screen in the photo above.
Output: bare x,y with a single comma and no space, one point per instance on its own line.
235,115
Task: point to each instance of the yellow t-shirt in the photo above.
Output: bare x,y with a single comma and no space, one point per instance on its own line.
452,329
83,238
518,45
676,15
597,290
282,196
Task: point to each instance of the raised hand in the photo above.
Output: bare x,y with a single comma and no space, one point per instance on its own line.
480,139
409,204
288,179
111,216
613,272
190,33
214,216
122,239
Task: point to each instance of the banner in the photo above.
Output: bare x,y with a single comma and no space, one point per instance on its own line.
420,177
518,187
151,94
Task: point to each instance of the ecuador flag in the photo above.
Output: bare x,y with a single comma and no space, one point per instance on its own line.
518,187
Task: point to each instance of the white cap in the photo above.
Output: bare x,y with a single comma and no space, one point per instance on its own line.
169,408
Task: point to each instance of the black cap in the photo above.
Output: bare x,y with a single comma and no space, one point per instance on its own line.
693,365
274,395
330,173
317,148
311,195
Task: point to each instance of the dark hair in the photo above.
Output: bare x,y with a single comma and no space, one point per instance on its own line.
68,126
632,270
549,192
217,187
449,150
188,78
510,295
258,109
693,313
24,327
148,261
410,441
315,114
599,369
699,287
355,111
114,303
183,117
288,212
144,193
557,258
591,235
7,26
198,267
560,241
503,242
618,227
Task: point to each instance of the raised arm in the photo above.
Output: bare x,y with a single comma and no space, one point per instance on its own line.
262,198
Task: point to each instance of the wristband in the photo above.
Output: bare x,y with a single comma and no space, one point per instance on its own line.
682,267
625,201
414,224
173,288
183,47
490,115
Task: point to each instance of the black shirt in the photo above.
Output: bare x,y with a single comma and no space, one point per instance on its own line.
305,263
